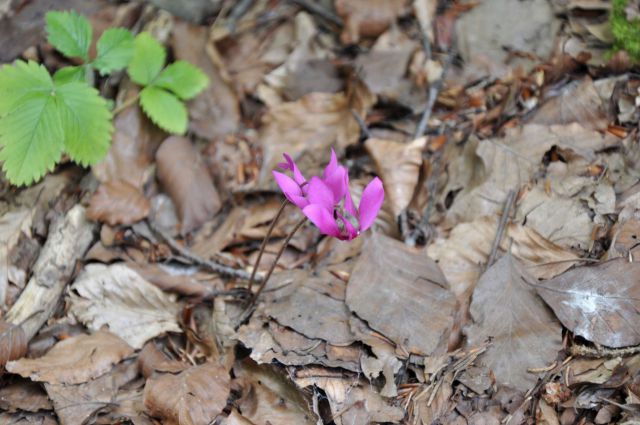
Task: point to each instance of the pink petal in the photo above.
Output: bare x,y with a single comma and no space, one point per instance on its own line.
351,232
323,219
291,165
370,203
332,165
337,183
348,201
319,193
289,187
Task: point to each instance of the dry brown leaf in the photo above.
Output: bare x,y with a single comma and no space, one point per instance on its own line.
626,239
523,332
180,280
13,342
308,126
368,18
24,395
577,102
192,397
151,359
118,297
402,294
215,112
268,397
118,202
399,167
184,177
12,225
599,303
75,404
23,418
463,254
74,360
236,418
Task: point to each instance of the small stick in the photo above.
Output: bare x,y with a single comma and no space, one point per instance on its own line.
240,9
314,8
584,351
434,90
506,211
211,265
124,105
264,244
363,125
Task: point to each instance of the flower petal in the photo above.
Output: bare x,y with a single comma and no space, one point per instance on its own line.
337,183
350,231
370,203
319,193
323,219
348,201
289,187
291,165
331,166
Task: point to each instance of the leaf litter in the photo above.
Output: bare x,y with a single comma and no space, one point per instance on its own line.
493,146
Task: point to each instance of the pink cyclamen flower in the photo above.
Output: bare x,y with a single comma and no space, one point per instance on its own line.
327,201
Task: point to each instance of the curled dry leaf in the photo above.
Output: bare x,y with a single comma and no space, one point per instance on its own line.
600,303
401,294
24,395
12,225
399,167
74,360
13,342
523,332
368,18
118,202
192,397
184,176
151,359
118,297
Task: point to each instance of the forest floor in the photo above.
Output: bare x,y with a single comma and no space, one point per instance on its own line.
498,284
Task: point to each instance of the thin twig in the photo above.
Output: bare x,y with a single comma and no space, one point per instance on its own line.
264,244
315,9
361,123
434,90
211,265
237,12
124,105
584,351
506,211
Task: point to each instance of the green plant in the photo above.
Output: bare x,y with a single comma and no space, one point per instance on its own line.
43,116
626,33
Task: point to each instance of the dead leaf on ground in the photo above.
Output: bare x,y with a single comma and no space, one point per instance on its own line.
401,294
399,166
176,279
74,360
13,342
523,332
151,360
193,397
118,297
268,397
117,202
24,395
184,177
215,112
599,303
75,404
22,418
367,18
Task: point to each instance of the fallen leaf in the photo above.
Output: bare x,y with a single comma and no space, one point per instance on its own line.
367,18
117,202
23,418
76,404
524,334
24,395
13,342
184,177
74,360
402,294
399,167
171,278
599,303
151,360
118,297
215,112
12,225
192,397
268,397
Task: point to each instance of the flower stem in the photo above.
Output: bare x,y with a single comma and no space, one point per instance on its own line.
275,262
264,244
124,105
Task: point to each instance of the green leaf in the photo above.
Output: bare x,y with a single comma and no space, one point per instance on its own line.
31,138
148,59
19,80
164,109
70,74
182,78
70,33
115,50
86,120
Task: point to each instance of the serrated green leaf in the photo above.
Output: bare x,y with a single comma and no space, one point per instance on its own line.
70,74
86,121
115,50
164,109
148,59
31,138
182,78
21,79
70,33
